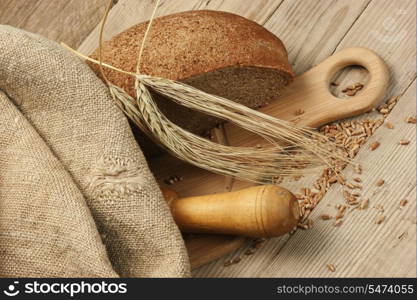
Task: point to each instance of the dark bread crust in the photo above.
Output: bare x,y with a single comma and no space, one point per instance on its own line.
186,44
217,52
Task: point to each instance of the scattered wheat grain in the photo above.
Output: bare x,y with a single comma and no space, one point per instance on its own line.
411,120
393,99
350,185
299,112
339,215
250,251
403,235
380,182
389,125
403,202
236,260
374,145
227,263
258,243
331,267
325,217
380,219
338,223
380,208
364,204
358,169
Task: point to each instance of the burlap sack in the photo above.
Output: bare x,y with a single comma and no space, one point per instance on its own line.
46,228
70,109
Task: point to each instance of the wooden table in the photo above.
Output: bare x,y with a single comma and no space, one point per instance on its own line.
311,30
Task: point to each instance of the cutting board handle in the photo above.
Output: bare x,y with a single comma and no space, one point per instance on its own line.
309,92
373,91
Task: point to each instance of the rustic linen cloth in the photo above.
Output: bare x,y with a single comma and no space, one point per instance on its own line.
72,177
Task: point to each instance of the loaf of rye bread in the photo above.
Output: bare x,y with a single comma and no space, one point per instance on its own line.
217,52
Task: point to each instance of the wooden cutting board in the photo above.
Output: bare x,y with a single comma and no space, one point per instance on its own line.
309,92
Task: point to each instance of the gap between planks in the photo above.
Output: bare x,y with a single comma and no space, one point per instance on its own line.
397,186
349,40
325,49
266,257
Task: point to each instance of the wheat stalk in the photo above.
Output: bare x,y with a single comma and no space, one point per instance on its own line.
292,150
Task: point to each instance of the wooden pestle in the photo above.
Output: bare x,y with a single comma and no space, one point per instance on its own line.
259,211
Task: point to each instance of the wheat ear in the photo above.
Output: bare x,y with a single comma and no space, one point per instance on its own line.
291,150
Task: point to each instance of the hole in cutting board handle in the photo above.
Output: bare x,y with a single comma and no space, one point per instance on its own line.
348,76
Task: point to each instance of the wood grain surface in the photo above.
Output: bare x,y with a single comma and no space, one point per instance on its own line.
68,21
127,13
377,27
360,247
311,30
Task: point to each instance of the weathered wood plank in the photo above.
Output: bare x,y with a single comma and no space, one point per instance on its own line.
312,29
258,11
293,17
360,247
358,35
127,13
387,28
68,21
310,34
